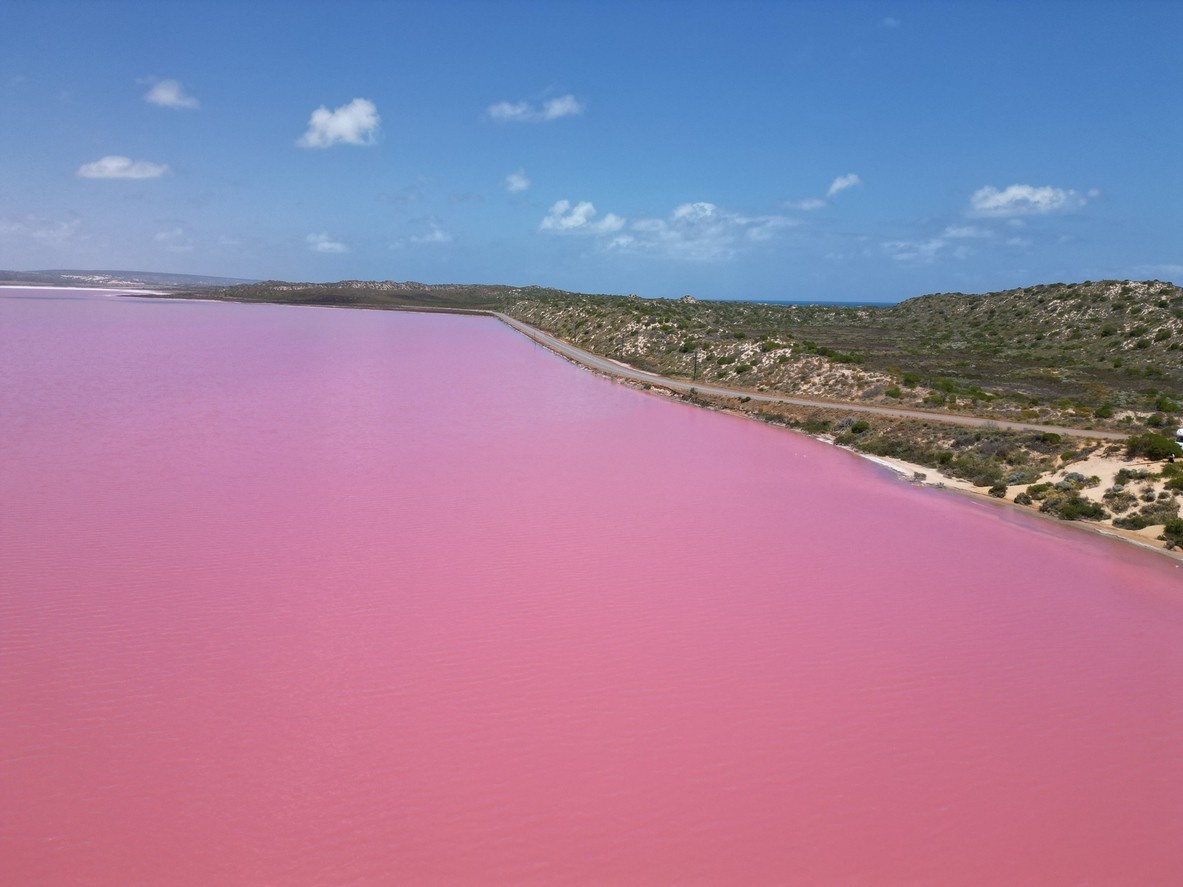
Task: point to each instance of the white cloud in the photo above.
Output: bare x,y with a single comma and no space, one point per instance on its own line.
322,243
1025,200
170,94
698,231
115,167
889,22
926,252
175,240
960,232
516,182
565,106
510,112
524,112
923,252
435,234
354,124
565,218
38,228
807,205
842,183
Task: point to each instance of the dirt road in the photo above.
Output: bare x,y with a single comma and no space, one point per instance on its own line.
621,370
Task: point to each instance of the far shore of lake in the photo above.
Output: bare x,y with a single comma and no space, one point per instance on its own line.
1103,467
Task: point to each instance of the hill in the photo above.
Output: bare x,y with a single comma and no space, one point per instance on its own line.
385,294
1064,353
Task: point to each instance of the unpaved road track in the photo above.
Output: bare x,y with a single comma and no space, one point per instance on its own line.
623,371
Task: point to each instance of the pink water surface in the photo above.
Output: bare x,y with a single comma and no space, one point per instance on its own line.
298,596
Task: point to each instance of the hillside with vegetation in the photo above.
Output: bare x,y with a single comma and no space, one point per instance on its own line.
1099,356
1103,354
385,294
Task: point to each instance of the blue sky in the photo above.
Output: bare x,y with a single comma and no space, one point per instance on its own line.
836,151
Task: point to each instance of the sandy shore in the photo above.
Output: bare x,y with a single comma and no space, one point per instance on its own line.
1103,467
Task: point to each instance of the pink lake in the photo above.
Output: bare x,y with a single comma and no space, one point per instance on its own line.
300,596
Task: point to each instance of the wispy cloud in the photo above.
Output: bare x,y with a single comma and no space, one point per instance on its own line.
698,231
114,166
175,240
1025,200
1167,271
435,233
565,218
842,183
949,242
807,205
323,243
889,22
525,112
356,123
516,182
37,228
170,94
837,186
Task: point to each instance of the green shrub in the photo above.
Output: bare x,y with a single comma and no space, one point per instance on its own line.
1172,533
1118,500
1148,515
1073,507
1125,475
1152,446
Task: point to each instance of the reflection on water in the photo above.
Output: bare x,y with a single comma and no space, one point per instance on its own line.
300,596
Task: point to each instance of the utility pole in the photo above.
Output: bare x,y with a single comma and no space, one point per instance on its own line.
694,375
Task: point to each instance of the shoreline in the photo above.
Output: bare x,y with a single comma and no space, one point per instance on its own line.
116,291
908,472
660,386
